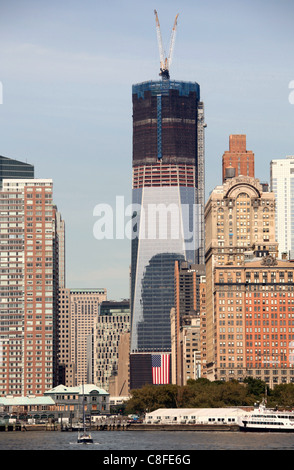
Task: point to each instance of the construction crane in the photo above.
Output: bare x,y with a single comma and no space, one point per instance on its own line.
165,62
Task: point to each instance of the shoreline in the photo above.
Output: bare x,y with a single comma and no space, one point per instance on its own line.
122,428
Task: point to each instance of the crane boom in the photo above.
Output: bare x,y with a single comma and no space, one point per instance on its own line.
165,62
159,39
172,42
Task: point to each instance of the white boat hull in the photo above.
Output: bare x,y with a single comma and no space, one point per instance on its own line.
263,427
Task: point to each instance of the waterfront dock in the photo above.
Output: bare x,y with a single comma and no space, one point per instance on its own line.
8,427
184,427
119,425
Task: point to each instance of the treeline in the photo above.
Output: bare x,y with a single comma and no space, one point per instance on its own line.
203,393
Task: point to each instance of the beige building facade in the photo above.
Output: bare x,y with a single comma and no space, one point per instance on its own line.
119,384
79,309
239,219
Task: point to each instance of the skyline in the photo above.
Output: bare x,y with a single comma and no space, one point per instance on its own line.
67,73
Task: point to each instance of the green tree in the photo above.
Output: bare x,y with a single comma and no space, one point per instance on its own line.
152,397
256,387
282,396
203,393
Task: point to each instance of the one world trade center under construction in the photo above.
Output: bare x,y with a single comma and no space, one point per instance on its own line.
168,212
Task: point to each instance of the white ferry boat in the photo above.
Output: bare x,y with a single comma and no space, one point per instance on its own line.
267,420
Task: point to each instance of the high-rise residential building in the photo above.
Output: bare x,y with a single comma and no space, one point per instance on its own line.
66,367
112,322
78,310
282,184
168,198
237,160
28,287
14,169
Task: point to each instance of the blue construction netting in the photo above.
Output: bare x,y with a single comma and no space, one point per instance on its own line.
163,86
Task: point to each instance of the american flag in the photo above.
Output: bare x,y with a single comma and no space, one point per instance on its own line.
160,369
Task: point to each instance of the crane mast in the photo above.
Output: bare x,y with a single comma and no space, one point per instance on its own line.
165,62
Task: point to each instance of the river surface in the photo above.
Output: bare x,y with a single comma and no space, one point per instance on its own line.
147,441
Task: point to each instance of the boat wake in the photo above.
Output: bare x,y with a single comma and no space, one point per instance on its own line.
85,443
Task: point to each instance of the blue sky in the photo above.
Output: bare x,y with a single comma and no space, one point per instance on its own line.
67,70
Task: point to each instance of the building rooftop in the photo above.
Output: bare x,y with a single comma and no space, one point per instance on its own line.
26,401
88,388
87,290
199,412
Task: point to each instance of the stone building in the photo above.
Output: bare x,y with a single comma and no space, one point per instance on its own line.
78,309
239,220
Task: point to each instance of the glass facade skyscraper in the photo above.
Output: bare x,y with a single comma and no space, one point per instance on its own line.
14,169
168,201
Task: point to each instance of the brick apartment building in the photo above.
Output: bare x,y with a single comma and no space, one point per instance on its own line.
254,321
29,287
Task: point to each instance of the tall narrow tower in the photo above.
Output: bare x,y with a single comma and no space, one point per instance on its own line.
168,198
282,184
237,160
29,287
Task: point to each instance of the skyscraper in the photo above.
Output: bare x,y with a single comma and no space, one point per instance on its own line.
187,319
239,224
168,198
78,309
28,287
282,184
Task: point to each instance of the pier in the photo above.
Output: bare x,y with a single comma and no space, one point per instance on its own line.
8,427
118,425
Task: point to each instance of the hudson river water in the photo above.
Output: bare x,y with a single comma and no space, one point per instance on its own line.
148,441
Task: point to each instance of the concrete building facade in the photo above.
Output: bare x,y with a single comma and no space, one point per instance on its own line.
119,384
112,323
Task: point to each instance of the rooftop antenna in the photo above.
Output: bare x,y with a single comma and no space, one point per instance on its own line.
165,62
